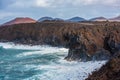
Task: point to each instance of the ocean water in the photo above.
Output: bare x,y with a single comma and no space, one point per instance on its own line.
24,62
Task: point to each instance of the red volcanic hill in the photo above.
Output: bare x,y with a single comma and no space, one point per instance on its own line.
20,20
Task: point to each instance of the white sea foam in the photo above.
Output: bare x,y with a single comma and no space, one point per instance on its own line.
10,45
74,71
41,52
45,50
38,49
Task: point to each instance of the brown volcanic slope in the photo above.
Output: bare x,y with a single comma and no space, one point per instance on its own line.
20,20
91,34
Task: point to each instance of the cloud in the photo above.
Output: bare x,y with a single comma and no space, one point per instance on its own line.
58,8
46,3
97,2
30,3
59,3
54,3
42,3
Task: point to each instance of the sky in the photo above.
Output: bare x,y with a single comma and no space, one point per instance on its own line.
10,9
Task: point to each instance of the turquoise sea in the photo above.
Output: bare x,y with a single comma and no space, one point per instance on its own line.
25,62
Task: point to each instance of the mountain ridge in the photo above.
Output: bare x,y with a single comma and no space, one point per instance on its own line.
20,20
98,19
76,19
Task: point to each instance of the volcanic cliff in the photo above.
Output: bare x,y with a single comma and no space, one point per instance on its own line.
85,40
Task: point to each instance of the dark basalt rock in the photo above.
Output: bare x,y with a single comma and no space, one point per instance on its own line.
78,51
111,44
76,48
75,55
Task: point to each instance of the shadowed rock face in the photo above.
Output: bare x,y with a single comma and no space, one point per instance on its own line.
111,44
85,40
93,43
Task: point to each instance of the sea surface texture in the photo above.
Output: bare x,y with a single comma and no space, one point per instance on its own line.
25,62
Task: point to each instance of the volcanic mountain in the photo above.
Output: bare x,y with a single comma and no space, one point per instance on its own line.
115,19
76,19
20,20
98,19
45,18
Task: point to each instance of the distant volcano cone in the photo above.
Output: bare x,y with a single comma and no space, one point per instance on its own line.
45,18
98,19
76,19
20,20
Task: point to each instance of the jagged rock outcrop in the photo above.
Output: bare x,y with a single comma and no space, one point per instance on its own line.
81,50
85,40
93,43
77,49
111,43
111,70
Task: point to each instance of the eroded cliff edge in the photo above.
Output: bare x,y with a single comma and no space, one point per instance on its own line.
85,40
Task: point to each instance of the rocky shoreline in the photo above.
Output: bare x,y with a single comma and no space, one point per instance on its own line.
110,71
85,40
